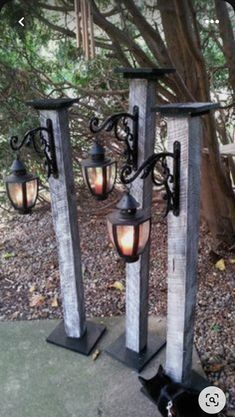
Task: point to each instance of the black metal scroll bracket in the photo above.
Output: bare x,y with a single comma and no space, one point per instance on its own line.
172,192
47,147
130,138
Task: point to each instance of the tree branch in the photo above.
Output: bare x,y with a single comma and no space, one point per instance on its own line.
152,37
55,8
57,28
119,36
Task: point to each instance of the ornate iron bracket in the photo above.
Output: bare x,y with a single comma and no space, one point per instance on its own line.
130,138
148,166
47,147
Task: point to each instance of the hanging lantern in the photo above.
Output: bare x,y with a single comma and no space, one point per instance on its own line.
22,188
129,228
99,172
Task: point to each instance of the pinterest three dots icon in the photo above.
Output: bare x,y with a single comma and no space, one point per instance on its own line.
212,400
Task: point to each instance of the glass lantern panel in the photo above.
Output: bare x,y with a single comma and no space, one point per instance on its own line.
111,176
96,179
144,231
126,238
110,231
15,191
31,192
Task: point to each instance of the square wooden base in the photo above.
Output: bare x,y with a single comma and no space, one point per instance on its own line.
84,344
132,359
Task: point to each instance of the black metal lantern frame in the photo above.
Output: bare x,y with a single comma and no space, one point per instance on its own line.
107,168
138,221
170,181
18,183
172,195
124,134
47,147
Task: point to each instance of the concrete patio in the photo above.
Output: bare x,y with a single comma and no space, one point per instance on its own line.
39,379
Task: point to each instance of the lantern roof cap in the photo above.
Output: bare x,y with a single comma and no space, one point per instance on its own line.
97,149
18,166
19,173
127,202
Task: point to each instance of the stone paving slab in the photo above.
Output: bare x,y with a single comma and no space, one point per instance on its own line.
39,379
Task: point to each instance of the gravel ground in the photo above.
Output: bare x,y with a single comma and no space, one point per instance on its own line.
29,281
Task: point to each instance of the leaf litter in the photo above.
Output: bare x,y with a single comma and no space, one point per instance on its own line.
30,286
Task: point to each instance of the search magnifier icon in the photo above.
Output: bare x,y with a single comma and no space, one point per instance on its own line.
212,400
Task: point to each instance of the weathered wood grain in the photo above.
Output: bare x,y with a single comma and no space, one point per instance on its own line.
183,233
142,94
64,213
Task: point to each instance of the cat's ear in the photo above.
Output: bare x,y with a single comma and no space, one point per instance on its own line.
142,380
160,370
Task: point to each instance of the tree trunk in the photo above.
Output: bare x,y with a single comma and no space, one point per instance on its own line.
181,49
226,33
217,196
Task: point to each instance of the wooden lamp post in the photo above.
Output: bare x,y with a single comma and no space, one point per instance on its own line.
135,348
74,332
184,124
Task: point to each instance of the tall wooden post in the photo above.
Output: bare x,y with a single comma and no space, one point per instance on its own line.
135,348
74,332
183,233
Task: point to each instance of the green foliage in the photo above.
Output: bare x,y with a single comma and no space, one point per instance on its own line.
38,61
211,43
216,328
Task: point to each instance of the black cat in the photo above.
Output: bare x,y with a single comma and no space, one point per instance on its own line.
172,399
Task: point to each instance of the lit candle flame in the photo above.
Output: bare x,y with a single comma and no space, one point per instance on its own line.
99,183
126,240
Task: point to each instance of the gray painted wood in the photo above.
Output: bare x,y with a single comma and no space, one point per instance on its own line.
183,233
142,94
64,213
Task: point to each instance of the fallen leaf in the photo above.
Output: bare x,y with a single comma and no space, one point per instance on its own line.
232,261
32,288
36,300
54,302
8,255
220,265
15,315
95,354
117,285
